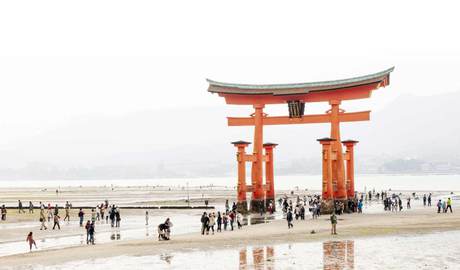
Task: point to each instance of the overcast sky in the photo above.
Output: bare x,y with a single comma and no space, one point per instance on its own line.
64,59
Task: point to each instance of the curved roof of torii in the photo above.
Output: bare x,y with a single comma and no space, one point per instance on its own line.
382,78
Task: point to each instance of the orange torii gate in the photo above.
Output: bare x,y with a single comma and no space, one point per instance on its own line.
338,179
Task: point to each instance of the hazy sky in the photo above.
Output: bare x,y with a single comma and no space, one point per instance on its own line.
64,59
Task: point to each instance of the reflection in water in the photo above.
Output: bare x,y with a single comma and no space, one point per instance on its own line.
338,255
82,239
115,235
258,219
262,257
243,259
166,257
258,257
270,257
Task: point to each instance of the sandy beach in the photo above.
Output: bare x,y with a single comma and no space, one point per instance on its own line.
134,238
420,220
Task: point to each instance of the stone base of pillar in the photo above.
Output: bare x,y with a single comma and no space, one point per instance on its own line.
272,201
242,207
327,207
257,206
347,209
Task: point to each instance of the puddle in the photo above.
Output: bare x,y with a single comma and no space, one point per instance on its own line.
430,251
132,228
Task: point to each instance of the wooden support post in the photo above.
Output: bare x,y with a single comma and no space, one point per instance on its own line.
242,205
338,169
349,144
269,176
328,192
257,201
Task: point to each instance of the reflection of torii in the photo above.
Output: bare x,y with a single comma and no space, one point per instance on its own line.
261,259
296,96
338,255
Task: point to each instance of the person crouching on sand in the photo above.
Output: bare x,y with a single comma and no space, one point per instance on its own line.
31,241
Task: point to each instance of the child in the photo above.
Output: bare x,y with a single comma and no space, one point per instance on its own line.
31,241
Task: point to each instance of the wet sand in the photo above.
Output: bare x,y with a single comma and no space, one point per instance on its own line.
419,220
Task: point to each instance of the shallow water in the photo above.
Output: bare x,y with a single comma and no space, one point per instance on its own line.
425,251
132,228
288,182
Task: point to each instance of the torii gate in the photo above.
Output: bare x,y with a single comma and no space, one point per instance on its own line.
338,183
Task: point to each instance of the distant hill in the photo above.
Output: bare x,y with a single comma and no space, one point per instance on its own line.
196,142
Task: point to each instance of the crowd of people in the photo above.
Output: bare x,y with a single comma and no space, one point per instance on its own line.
225,220
51,215
444,205
293,208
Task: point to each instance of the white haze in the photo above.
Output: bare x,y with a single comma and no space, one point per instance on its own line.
72,72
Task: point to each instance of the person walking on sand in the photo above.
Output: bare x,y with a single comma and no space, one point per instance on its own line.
31,207
231,216
219,222
102,212
146,218
87,226
408,203
93,215
20,207
333,223
429,199
43,220
439,205
31,241
449,204
49,214
289,219
56,222
204,223
424,199
81,215
56,210
360,206
239,220
117,217
225,220
212,222
67,213
91,232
